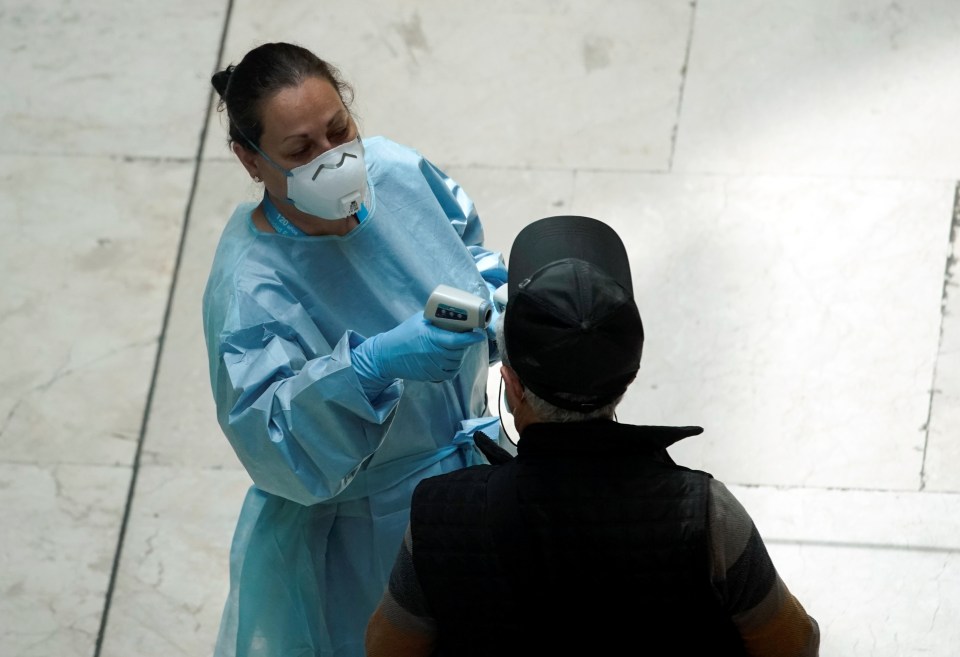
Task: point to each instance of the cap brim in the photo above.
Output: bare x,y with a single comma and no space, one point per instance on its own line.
555,238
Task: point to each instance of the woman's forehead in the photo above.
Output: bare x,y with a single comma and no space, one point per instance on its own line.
310,105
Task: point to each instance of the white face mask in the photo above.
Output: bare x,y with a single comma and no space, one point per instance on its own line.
332,186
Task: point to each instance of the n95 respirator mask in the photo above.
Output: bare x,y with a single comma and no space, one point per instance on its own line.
332,186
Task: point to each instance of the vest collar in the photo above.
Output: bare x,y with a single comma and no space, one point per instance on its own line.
600,434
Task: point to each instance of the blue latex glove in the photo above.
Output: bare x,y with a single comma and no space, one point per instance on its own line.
415,350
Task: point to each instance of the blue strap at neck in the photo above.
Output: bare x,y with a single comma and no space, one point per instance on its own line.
280,223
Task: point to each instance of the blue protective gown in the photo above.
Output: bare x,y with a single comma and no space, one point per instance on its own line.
332,470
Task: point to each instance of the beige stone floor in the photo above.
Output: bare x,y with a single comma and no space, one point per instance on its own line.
784,174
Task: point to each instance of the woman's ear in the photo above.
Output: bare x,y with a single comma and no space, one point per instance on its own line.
248,159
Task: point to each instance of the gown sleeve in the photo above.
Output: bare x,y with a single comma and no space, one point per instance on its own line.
301,426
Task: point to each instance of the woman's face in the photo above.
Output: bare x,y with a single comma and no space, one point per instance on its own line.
299,123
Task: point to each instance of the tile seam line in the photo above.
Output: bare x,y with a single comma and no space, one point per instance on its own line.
683,85
840,489
135,468
862,545
947,276
848,176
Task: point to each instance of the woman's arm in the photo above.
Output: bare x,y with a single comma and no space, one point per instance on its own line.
302,427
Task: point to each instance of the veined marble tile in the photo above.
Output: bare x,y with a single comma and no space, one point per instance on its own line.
564,83
876,603
61,525
509,199
885,519
942,463
174,571
795,319
111,77
87,264
822,87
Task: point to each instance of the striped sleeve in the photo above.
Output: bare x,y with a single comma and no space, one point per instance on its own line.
403,604
770,619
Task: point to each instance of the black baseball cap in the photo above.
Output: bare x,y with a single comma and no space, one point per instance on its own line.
572,328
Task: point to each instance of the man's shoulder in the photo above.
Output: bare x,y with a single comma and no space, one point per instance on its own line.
473,473
464,490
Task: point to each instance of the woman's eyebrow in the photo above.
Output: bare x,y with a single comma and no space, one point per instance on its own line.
340,119
296,136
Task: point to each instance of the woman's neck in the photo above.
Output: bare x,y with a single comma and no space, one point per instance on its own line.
293,221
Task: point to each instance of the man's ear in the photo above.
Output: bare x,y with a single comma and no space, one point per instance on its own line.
248,159
511,382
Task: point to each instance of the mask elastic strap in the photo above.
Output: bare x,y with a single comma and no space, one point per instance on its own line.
286,172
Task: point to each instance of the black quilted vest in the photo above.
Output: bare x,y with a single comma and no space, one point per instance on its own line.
591,541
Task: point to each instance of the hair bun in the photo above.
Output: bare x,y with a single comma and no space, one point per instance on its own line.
220,79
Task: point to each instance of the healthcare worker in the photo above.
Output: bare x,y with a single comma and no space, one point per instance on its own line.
336,394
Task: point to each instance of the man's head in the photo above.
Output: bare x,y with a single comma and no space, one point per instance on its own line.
571,329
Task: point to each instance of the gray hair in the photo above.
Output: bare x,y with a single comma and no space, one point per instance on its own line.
543,409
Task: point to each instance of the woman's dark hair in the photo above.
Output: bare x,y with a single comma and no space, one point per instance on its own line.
261,73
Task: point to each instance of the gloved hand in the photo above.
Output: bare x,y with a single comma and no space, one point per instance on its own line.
415,350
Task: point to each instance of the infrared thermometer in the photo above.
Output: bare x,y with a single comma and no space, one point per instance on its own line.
456,310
